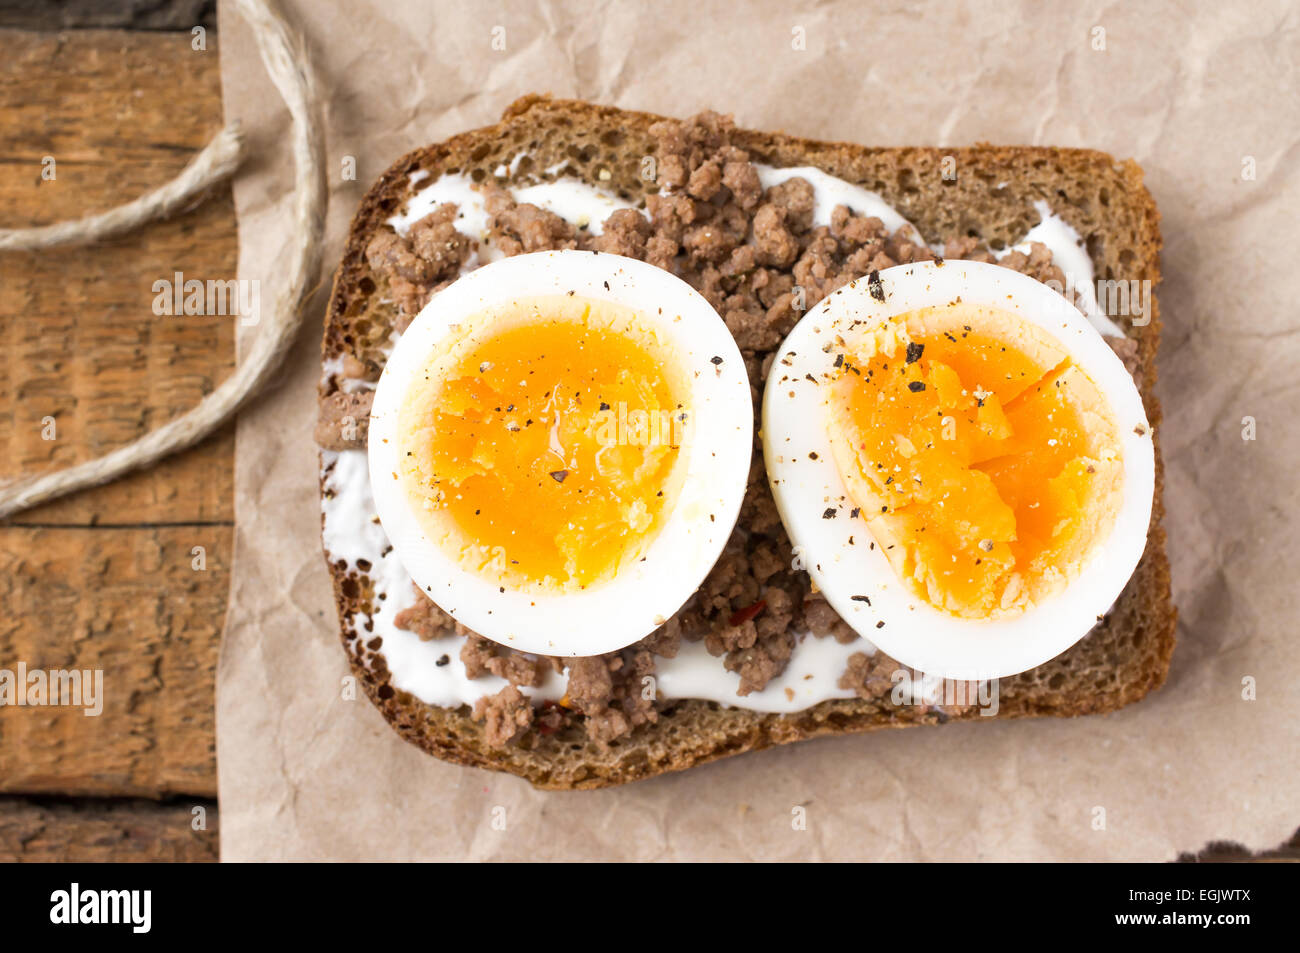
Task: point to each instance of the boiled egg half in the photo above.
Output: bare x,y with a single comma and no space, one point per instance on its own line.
963,464
559,446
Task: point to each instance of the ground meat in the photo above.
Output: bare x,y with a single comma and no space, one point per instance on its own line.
761,662
615,693
625,233
854,230
435,240
591,684
902,249
475,655
550,718
1128,351
505,715
796,196
390,254
869,676
764,561
661,251
968,248
483,657
666,640
343,420
740,176
752,330
732,638
427,621
519,669
421,263
1037,264
358,369
517,229
670,214
821,620
672,172
705,181
707,242
479,655
775,243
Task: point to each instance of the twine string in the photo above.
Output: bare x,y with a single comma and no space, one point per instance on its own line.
284,55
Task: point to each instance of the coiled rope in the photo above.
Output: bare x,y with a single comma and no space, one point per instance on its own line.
285,56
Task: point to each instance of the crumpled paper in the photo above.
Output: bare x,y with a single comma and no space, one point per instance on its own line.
1204,99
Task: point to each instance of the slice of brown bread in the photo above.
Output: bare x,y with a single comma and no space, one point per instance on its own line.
991,198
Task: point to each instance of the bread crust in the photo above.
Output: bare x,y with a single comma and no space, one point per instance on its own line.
1122,660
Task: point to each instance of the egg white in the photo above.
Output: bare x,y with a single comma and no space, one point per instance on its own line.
642,596
839,553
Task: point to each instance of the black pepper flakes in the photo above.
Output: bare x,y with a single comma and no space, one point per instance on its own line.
916,386
559,475
914,352
829,513
876,286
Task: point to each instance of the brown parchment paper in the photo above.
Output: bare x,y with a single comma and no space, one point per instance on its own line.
1203,98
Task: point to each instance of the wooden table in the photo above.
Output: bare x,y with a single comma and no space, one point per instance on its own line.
131,578
106,579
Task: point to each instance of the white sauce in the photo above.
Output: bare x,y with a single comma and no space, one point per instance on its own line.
473,217
504,171
1071,256
574,201
352,531
1068,251
830,191
349,385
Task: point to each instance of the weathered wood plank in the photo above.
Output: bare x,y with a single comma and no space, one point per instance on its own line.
33,830
118,114
140,606
108,14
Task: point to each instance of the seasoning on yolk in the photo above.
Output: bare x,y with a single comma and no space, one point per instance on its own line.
985,462
551,443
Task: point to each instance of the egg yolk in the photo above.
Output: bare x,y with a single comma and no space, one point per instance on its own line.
552,443
985,462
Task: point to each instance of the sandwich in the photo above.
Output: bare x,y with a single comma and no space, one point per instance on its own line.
647,442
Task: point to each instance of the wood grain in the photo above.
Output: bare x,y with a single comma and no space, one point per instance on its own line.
118,114
132,604
35,830
106,579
